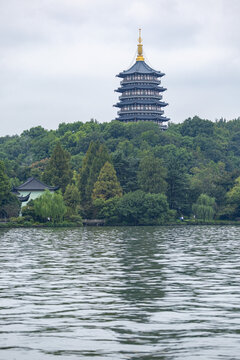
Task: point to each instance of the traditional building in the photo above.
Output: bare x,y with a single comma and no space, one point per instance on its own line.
31,189
141,93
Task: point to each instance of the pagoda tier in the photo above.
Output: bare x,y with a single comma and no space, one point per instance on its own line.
141,93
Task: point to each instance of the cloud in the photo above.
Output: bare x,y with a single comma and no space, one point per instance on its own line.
59,58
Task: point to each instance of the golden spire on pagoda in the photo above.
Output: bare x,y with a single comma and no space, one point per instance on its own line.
140,48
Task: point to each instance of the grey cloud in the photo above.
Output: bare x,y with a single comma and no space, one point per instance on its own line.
59,58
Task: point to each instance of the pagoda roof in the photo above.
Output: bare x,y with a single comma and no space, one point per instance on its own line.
145,117
141,87
33,184
140,67
139,101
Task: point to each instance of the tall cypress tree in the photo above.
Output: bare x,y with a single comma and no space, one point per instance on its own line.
152,175
96,156
107,185
86,168
4,183
9,204
58,171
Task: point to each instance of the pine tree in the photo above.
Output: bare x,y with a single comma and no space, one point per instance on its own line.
86,167
9,203
152,175
58,171
72,199
4,183
102,156
95,158
107,185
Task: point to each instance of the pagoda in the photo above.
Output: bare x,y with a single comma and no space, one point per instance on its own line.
141,93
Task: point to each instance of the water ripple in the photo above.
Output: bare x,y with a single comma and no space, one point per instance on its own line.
120,293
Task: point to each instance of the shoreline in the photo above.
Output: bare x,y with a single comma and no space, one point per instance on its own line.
9,225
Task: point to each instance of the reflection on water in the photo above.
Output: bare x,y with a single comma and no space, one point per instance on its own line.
120,293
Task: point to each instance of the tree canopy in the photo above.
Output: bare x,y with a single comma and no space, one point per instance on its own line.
187,160
107,185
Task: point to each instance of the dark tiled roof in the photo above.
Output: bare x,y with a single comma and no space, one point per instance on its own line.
140,86
33,184
140,67
139,117
138,101
24,198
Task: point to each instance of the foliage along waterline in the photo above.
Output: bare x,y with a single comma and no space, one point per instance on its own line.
133,174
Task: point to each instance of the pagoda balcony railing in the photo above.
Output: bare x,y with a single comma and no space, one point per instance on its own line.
145,96
124,112
143,81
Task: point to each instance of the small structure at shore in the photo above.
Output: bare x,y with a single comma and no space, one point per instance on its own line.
31,189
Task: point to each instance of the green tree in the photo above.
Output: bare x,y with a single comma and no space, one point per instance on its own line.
177,161
204,208
58,170
232,208
101,157
139,208
72,199
152,175
4,183
233,195
9,203
126,168
107,209
50,206
86,168
95,158
211,179
107,185
196,126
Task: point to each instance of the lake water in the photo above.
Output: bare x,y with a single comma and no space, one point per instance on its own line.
120,293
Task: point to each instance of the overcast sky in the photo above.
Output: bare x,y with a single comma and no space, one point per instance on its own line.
59,58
